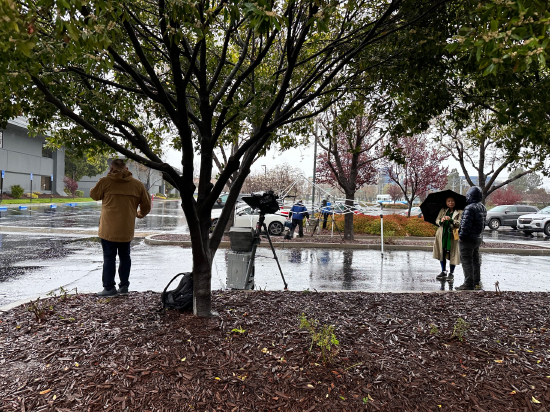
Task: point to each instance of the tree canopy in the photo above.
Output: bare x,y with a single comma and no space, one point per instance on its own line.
78,165
132,76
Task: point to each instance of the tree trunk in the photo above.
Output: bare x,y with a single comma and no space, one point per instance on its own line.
202,285
410,207
348,217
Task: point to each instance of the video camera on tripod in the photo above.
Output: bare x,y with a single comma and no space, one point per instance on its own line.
265,202
244,242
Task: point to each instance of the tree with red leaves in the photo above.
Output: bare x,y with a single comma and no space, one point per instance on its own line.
505,196
419,170
352,147
70,185
395,193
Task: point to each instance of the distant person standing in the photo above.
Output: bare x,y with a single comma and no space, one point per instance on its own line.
469,233
297,214
326,210
445,245
121,195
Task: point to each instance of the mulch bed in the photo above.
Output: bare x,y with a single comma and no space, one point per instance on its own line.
395,353
338,240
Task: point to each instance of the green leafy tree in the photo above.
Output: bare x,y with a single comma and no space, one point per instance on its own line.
526,182
477,147
133,77
453,181
79,165
481,59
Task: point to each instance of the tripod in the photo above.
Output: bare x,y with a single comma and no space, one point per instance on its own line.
261,224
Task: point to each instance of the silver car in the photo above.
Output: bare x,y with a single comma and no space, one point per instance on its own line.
536,222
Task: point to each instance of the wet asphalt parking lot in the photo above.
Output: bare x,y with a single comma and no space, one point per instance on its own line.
32,265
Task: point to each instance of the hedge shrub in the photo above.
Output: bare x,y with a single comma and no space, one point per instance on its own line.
34,196
79,193
17,191
394,225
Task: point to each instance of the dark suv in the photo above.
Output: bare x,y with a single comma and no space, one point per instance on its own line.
507,215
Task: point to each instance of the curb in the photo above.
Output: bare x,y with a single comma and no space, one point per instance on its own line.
355,246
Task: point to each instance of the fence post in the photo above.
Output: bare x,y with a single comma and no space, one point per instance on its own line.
382,233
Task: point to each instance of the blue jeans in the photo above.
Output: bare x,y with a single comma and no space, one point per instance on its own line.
110,250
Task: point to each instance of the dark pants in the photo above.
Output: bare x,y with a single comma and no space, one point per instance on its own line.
110,250
325,219
300,224
471,262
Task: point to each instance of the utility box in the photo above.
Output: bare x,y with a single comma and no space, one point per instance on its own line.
237,265
241,238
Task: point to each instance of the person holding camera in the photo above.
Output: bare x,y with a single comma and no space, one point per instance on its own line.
297,214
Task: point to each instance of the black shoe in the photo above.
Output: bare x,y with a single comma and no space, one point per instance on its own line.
123,290
442,275
450,277
288,238
107,292
477,287
464,287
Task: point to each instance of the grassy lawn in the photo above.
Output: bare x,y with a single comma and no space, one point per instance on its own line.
46,201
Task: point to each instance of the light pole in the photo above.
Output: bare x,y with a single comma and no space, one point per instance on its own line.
314,169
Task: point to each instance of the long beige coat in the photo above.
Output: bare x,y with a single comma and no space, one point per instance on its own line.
438,247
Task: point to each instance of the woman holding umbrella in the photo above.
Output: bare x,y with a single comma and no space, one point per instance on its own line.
446,238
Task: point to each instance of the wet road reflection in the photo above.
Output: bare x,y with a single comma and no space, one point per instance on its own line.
164,216
34,266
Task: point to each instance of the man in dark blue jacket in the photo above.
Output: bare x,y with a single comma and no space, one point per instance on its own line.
297,214
469,233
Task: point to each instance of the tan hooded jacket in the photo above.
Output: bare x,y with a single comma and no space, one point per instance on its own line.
121,195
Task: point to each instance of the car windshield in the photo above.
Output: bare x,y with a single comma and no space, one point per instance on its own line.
498,209
545,211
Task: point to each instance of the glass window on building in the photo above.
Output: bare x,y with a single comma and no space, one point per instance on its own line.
46,152
45,183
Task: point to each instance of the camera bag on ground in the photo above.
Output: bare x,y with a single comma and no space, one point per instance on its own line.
181,298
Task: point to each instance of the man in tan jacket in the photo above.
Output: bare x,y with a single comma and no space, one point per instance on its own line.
121,195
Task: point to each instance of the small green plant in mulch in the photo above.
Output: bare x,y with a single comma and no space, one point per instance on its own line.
460,329
434,330
40,309
321,335
64,294
238,330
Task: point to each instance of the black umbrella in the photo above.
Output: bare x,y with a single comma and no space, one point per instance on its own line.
436,201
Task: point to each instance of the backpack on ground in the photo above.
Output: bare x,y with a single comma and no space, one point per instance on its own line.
181,298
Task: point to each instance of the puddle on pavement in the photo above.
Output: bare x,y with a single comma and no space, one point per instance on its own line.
35,265
164,216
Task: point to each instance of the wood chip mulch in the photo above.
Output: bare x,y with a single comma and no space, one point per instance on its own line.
396,352
338,240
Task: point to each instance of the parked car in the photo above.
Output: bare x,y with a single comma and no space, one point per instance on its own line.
535,222
507,215
415,211
341,208
247,217
220,202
